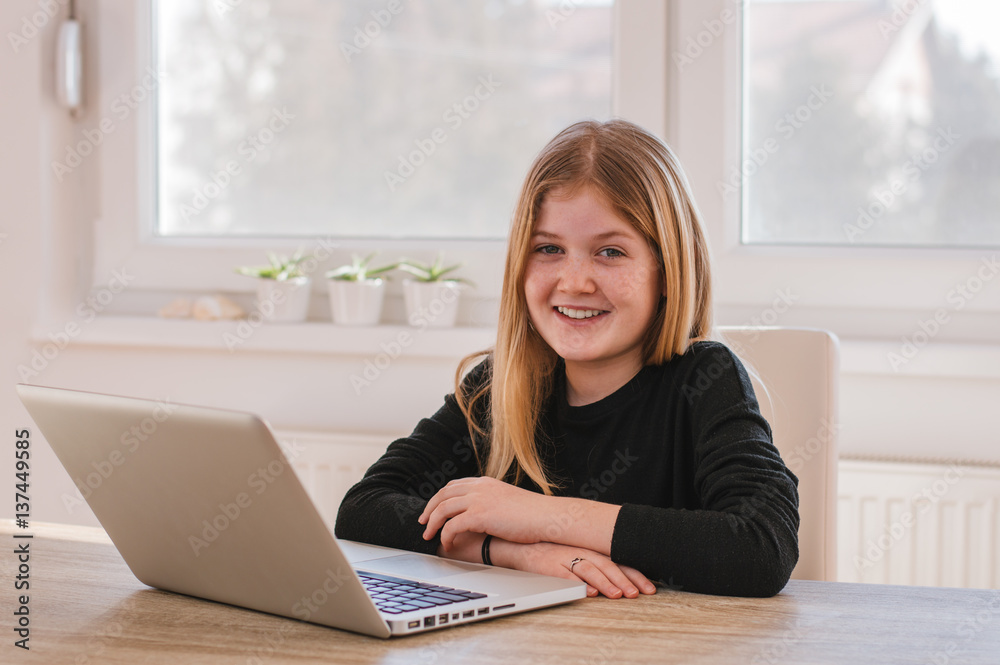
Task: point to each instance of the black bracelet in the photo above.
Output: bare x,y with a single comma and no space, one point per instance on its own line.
486,550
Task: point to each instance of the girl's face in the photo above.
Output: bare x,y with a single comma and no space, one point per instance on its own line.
592,283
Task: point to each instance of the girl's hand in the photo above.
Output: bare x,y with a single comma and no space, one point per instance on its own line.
601,574
485,505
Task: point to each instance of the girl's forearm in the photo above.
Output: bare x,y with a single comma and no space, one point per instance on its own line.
561,520
579,523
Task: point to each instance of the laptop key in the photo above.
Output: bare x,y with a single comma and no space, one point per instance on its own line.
435,587
406,608
471,595
436,601
420,603
446,596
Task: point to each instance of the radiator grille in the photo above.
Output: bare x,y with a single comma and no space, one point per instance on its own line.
918,524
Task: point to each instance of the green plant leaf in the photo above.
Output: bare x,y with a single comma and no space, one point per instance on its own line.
418,270
279,268
358,269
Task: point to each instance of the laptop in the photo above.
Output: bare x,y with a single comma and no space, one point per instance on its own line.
203,502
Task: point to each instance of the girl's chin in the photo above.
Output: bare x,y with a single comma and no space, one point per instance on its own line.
579,355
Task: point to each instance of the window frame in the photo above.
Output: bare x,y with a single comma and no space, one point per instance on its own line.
858,291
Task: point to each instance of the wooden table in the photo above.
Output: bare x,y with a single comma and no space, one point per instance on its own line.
86,607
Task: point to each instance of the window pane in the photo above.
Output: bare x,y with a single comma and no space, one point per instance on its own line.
872,122
373,118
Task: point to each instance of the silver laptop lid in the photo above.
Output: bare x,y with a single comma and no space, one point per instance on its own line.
189,497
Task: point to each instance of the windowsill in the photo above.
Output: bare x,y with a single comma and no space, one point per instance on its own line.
301,338
857,356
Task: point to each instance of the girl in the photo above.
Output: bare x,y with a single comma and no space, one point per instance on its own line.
604,437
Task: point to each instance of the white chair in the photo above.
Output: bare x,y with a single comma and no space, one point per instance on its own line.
800,367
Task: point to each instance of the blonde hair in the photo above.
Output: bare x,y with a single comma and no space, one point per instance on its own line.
642,179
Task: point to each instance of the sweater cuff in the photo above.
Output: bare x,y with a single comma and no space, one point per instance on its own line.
620,541
641,539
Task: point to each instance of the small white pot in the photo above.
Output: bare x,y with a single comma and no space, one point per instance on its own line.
433,304
356,303
283,302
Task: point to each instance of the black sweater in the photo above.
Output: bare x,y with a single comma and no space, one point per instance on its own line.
707,503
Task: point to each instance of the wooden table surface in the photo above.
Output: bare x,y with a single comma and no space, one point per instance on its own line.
86,607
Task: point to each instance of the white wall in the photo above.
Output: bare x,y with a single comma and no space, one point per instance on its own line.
29,205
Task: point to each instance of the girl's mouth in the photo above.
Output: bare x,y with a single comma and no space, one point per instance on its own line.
579,314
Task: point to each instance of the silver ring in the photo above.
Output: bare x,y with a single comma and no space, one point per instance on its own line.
573,563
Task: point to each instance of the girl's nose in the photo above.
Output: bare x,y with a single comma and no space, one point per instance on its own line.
575,276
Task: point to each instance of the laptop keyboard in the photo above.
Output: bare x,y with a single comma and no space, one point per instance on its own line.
394,595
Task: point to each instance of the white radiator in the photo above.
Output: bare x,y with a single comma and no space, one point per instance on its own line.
918,524
329,464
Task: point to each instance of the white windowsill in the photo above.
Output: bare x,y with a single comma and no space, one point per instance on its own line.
302,338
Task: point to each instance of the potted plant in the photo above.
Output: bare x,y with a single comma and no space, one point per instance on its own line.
357,292
282,288
431,296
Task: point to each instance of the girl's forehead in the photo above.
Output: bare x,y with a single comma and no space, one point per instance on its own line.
584,211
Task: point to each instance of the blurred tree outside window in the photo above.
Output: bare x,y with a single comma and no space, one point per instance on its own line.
365,118
871,122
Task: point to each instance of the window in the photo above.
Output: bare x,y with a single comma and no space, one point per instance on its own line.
371,118
872,122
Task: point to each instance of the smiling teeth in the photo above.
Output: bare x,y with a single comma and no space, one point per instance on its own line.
578,313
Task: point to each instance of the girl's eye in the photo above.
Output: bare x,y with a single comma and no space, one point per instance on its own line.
611,252
547,249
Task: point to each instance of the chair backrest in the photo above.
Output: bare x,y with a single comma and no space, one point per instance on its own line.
799,368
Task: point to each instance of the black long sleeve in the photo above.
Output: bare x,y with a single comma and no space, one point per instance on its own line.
382,509
731,525
707,503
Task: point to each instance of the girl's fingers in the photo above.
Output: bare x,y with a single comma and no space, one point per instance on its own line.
443,512
451,517
621,581
452,489
612,580
590,573
639,580
450,531
432,503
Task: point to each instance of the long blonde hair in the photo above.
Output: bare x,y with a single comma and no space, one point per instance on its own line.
641,178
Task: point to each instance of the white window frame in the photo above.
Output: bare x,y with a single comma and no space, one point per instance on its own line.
123,238
866,292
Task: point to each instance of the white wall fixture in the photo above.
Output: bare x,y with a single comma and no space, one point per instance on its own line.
69,62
